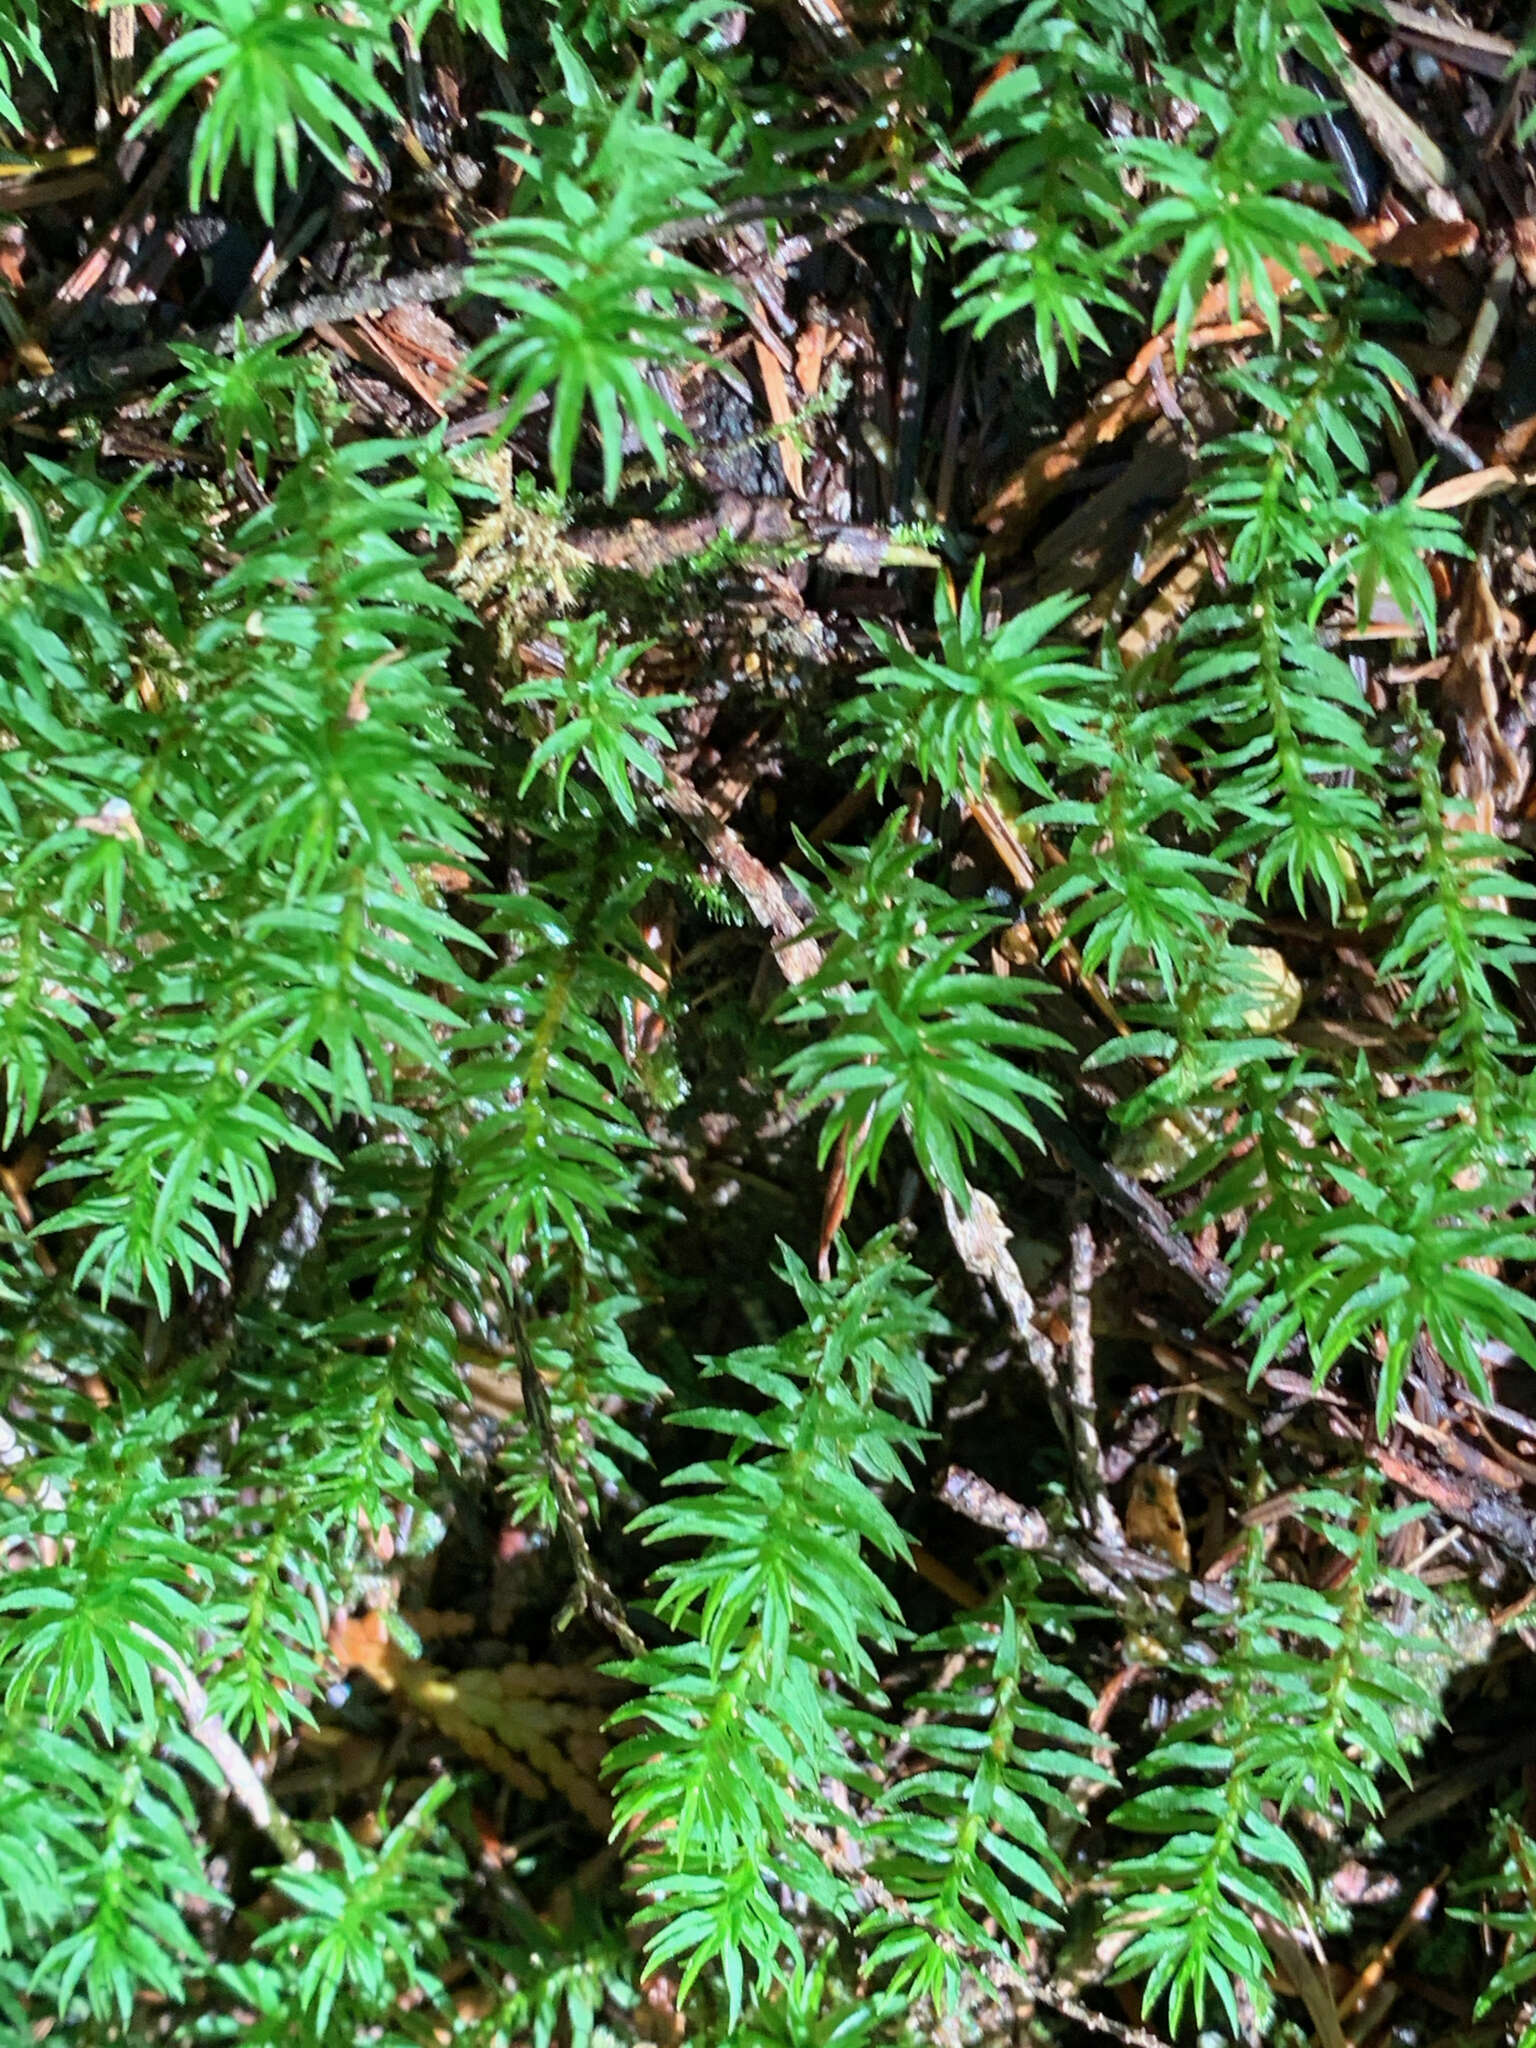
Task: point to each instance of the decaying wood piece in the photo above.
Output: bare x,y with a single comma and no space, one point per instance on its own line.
643,546
777,907
1503,1522
1109,1573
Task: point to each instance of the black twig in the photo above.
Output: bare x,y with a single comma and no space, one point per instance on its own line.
105,375
592,1593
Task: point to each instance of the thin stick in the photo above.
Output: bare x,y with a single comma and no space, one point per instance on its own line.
1102,1521
102,376
1417,1914
1071,2007
591,1591
980,1236
1107,1574
772,902
205,1727
1141,1210
1003,1976
1480,340
1445,438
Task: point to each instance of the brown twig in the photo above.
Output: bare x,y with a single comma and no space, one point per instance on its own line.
592,1591
1501,282
1416,1916
765,894
1102,1522
1414,1810
206,1728
1506,1524
1142,1211
980,1236
1304,1979
102,376
1470,48
1003,1976
1445,439
1106,1573
1071,2007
